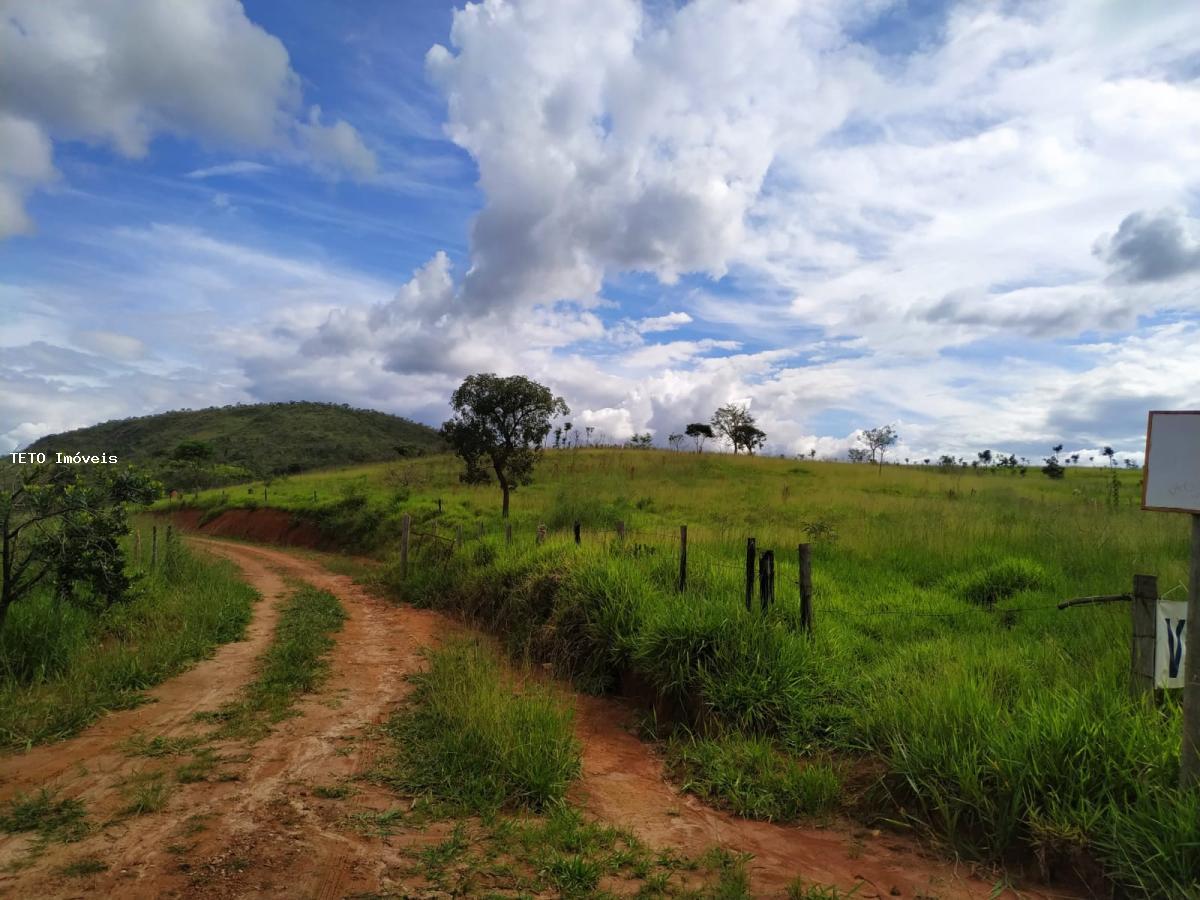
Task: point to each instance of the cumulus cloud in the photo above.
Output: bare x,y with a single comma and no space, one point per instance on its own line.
118,74
1150,247
608,140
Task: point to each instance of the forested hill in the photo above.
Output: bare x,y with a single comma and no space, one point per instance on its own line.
224,444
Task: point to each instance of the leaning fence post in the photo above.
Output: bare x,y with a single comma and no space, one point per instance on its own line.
153,546
750,557
682,558
405,527
576,532
1141,673
806,608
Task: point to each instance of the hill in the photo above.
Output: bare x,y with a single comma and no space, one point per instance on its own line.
233,443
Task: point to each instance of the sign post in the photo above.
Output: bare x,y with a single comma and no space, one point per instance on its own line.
1171,482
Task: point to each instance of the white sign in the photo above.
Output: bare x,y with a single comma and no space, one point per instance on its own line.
1172,477
1170,647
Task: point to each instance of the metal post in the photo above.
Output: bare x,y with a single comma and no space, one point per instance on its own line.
1189,760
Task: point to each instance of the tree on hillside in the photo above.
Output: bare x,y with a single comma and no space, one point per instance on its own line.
985,457
878,440
699,432
732,422
500,422
749,437
675,440
63,525
856,455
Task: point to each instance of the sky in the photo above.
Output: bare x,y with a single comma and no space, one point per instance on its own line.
976,221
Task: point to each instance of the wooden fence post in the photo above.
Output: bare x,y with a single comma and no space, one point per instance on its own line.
766,575
137,548
806,608
439,506
153,546
405,527
1141,670
682,558
750,557
458,538
576,532
1189,769
541,534
508,532
620,531
481,531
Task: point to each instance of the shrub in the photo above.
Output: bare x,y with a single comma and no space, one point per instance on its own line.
999,581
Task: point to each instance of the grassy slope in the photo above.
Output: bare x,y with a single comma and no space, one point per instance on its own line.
62,667
262,438
1004,728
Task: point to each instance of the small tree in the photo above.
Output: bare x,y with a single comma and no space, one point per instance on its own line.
878,440
641,441
675,441
748,437
856,455
62,525
699,432
1053,468
731,421
501,423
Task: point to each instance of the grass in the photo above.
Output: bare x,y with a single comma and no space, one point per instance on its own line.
87,865
1002,725
469,739
751,777
62,667
145,792
42,813
296,663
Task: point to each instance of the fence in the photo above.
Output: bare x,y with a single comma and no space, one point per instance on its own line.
768,575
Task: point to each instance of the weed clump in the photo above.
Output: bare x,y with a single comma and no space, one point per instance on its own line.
998,581
470,740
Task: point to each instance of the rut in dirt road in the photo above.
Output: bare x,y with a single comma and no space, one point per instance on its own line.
248,830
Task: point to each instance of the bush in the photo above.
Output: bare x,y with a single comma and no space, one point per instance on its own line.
999,581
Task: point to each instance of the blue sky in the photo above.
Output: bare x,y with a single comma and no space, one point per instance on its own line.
977,222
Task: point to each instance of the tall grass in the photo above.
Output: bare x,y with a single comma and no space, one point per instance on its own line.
1004,724
62,667
470,739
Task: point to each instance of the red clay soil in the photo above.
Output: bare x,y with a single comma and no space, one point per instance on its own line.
267,834
264,525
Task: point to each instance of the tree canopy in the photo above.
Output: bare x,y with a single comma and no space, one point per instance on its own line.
63,525
501,423
735,424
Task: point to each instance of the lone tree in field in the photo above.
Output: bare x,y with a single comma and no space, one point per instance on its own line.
734,423
699,432
749,437
878,440
61,526
501,423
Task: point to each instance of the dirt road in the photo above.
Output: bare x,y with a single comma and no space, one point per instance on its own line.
255,827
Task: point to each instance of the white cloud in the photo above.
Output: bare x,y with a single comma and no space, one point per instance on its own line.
237,167
121,73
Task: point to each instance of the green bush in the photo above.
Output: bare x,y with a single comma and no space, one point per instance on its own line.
999,581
